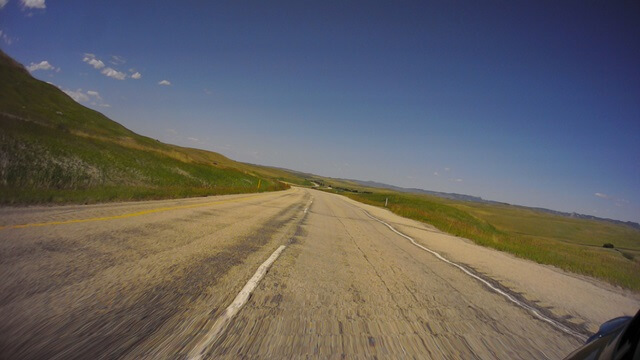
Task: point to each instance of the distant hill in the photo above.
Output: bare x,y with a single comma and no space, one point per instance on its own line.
52,149
476,199
452,196
634,225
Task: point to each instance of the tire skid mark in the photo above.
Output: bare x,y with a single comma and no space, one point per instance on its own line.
235,306
100,260
223,321
118,330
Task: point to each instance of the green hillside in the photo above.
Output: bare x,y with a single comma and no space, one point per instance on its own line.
53,149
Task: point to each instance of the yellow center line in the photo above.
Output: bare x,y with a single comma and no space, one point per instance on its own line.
123,216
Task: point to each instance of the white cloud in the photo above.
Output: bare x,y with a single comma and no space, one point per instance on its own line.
106,71
3,3
457,180
98,64
114,73
91,97
164,82
619,202
91,60
33,4
95,94
136,75
447,169
42,65
436,173
77,95
193,139
117,60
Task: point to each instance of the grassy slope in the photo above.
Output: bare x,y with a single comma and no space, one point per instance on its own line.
53,149
570,244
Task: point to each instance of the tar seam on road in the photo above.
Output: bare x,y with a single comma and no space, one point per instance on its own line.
529,308
243,296
123,216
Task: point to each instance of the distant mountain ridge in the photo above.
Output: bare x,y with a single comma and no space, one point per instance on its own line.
477,199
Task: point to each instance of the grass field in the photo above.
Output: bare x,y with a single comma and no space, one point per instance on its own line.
570,244
40,168
523,221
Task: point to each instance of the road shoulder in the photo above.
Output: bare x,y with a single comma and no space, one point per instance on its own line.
581,300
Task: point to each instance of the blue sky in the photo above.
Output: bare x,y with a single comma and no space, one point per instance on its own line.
531,103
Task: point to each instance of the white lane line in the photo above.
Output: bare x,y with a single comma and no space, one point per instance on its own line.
242,297
308,206
532,310
235,306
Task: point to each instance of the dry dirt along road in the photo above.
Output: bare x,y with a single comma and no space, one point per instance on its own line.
190,278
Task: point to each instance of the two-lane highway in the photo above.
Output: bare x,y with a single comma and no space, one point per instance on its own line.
349,287
152,279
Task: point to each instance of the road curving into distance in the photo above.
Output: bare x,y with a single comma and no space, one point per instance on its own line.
297,273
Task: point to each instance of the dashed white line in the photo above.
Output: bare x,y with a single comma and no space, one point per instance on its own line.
221,323
532,310
308,206
235,306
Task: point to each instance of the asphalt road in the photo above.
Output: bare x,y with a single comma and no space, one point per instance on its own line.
154,279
